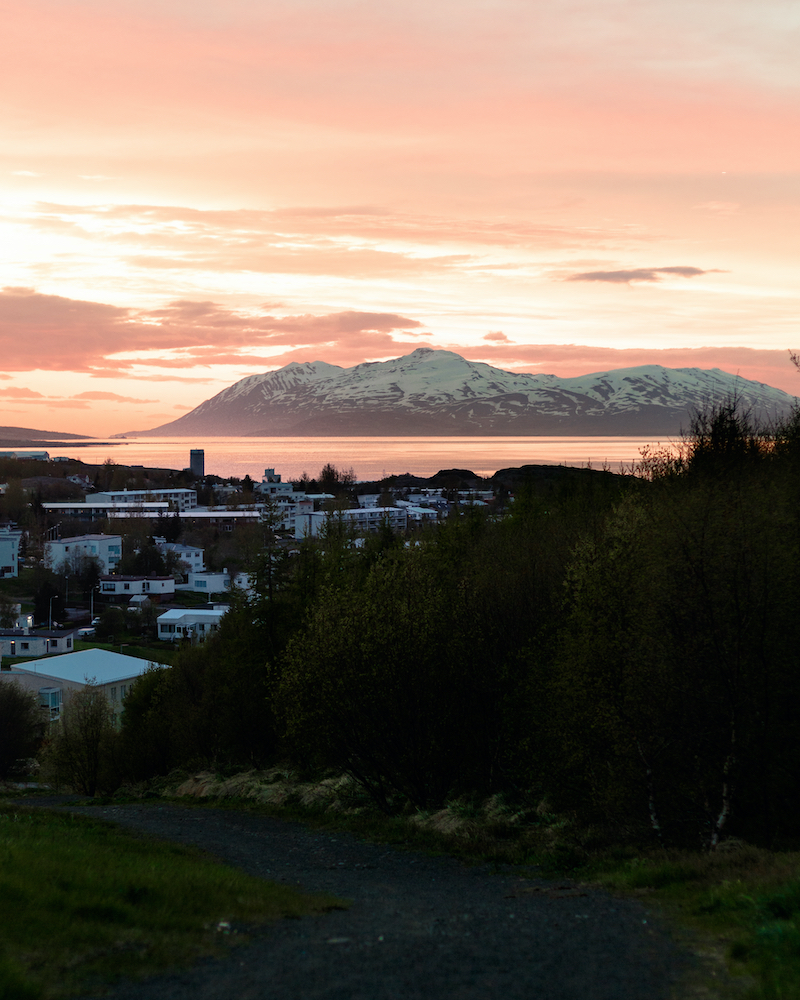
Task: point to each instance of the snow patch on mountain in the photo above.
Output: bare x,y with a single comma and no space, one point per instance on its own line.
439,392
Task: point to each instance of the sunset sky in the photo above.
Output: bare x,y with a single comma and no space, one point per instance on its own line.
194,191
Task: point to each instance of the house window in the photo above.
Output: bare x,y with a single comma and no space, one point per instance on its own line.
109,588
122,689
113,694
127,586
69,643
54,643
25,645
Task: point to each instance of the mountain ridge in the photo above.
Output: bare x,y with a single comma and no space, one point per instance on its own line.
439,393
30,434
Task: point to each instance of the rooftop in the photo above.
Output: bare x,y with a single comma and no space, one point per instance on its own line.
87,538
99,665
196,614
114,577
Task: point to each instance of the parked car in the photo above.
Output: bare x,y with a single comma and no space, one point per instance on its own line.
86,633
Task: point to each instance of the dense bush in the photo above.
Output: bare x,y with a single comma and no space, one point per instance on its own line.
81,750
21,725
390,684
112,622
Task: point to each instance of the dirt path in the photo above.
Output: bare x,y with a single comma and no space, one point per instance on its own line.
419,928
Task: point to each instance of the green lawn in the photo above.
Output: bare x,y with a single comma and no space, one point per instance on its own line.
157,651
742,902
85,902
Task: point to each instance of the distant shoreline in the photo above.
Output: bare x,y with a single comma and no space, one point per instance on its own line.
41,445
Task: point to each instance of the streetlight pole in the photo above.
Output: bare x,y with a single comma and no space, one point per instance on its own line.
50,616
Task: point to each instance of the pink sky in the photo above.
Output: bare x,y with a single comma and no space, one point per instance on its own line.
191,192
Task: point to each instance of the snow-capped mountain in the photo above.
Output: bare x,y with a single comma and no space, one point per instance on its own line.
440,393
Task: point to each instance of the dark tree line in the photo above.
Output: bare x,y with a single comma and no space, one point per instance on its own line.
625,647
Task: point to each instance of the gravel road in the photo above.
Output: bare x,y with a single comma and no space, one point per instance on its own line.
419,928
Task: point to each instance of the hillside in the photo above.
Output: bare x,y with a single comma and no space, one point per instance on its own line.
27,435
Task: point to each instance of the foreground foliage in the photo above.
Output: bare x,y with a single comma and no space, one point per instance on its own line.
91,902
21,725
625,647
80,750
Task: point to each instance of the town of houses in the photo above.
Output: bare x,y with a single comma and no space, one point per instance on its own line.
52,660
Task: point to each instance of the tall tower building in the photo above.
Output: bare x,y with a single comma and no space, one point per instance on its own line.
197,462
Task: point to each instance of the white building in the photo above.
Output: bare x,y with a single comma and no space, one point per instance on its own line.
272,486
210,582
23,619
53,678
191,556
153,587
107,549
177,499
9,551
207,582
25,642
195,624
419,514
313,523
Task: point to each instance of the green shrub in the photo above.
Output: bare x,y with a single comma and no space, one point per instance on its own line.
393,685
21,725
81,749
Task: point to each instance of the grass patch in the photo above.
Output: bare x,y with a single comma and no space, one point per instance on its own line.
85,902
741,903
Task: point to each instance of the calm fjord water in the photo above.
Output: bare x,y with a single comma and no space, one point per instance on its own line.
370,457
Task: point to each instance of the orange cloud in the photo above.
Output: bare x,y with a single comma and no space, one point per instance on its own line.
21,394
75,335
